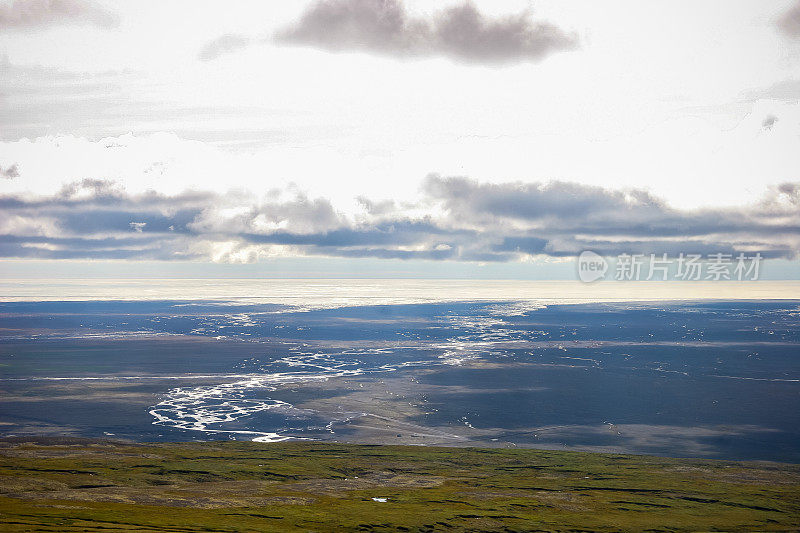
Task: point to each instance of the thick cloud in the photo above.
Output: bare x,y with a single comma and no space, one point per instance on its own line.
224,44
461,220
791,190
467,199
789,23
29,14
461,33
564,211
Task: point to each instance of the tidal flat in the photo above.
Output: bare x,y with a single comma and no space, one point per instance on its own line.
678,379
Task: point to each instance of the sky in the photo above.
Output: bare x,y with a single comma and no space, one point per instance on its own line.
349,138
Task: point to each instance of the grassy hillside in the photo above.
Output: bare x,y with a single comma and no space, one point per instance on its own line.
70,485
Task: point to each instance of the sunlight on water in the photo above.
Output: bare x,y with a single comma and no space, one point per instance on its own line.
309,293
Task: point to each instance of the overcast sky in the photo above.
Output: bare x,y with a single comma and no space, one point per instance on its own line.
370,135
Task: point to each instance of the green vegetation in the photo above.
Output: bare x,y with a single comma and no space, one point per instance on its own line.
73,485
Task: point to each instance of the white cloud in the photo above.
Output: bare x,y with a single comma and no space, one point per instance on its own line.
32,14
462,220
10,172
224,44
633,108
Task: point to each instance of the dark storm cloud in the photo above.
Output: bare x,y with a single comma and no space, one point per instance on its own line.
224,44
461,33
467,220
31,14
789,22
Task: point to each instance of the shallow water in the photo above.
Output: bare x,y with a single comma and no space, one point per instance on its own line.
704,378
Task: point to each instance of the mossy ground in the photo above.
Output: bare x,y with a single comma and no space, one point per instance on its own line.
299,486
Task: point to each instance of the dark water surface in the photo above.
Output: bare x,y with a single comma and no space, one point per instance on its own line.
714,379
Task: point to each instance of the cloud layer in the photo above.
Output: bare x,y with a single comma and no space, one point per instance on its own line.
461,32
9,172
29,14
224,44
456,219
789,23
